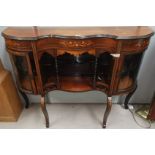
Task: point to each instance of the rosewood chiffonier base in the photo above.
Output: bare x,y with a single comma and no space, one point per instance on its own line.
77,59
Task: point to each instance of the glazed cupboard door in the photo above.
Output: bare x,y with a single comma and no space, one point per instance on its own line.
24,68
128,70
105,64
47,62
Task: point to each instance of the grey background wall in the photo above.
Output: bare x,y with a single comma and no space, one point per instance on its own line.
146,83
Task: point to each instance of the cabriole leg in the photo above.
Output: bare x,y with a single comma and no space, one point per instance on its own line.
128,98
107,111
27,103
44,110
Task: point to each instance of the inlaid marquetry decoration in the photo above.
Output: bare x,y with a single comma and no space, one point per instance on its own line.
76,43
76,52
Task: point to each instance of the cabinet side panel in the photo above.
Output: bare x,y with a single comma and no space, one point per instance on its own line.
127,75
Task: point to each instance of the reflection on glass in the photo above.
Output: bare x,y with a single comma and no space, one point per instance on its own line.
48,68
104,68
22,69
129,71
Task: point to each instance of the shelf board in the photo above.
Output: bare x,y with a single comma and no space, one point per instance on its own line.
76,83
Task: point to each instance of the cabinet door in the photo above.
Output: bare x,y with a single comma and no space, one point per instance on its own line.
127,74
47,62
25,71
105,63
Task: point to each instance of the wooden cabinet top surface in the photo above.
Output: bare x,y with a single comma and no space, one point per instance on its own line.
34,33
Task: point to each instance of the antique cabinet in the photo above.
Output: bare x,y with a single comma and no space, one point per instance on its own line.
77,59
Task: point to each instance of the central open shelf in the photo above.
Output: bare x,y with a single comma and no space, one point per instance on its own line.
76,83
76,70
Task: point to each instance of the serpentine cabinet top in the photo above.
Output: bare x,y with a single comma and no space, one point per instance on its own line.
34,33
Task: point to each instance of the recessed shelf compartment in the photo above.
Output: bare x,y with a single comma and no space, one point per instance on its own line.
76,83
48,70
76,71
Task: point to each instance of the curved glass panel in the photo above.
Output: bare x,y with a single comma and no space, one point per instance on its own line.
22,69
105,64
48,69
129,71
